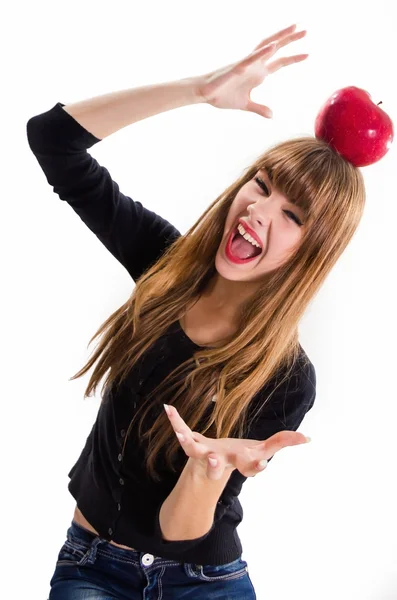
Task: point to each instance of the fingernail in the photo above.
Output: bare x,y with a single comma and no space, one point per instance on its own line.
262,464
308,439
180,436
167,409
213,462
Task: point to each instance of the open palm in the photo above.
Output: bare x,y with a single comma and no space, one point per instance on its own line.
231,86
229,453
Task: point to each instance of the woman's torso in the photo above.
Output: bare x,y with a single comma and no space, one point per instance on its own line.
200,330
79,518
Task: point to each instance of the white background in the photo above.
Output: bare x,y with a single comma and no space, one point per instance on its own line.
320,521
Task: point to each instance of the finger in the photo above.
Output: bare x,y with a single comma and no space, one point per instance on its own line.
280,440
184,433
192,447
215,466
177,422
264,53
267,50
251,461
293,37
191,441
276,36
283,62
250,468
258,467
259,109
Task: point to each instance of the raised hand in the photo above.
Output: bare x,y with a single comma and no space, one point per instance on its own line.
231,86
229,453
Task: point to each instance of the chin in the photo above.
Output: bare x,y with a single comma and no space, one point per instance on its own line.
230,272
227,272
234,273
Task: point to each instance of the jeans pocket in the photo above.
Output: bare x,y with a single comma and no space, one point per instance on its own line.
233,570
72,553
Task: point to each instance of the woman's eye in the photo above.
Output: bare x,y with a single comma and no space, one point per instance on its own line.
292,215
262,185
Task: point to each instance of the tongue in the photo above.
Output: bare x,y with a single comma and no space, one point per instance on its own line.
242,248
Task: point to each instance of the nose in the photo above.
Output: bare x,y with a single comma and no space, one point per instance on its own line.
256,217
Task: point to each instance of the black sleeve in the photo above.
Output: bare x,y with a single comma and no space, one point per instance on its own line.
289,403
286,410
134,235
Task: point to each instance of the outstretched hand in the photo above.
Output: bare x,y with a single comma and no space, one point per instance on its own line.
231,86
229,453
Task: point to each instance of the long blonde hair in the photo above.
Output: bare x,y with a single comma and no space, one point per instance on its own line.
267,340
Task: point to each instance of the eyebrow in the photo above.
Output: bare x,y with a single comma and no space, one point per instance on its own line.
292,200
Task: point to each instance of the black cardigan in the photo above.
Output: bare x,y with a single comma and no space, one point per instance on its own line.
111,487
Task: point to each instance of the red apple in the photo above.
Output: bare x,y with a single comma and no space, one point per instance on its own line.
354,126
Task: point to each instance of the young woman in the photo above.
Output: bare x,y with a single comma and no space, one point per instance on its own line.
210,330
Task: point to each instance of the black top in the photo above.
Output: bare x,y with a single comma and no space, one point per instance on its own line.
112,488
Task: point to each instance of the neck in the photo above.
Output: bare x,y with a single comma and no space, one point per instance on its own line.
227,297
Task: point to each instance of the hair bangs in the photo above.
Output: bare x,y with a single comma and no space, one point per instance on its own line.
301,170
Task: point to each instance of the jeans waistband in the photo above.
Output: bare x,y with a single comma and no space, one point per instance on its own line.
87,536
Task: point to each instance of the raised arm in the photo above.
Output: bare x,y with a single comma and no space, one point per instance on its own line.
59,139
106,114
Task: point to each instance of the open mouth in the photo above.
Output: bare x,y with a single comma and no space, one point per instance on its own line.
239,250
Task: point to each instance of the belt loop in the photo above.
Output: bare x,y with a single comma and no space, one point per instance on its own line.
90,555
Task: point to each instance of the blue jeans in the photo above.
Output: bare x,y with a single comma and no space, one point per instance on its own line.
90,568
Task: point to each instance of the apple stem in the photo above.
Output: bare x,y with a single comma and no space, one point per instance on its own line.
379,103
